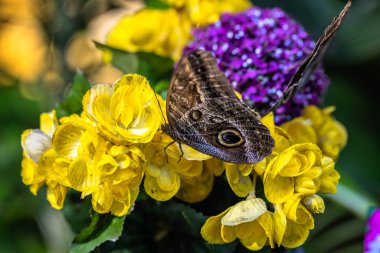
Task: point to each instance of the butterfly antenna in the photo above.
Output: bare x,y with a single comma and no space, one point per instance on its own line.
312,61
159,105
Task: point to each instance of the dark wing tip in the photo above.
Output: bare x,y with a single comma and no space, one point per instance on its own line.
311,62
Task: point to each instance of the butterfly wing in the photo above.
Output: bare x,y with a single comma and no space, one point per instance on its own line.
313,60
196,79
205,113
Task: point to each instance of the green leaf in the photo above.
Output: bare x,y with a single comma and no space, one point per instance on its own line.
156,4
155,68
73,101
223,248
101,229
161,86
77,211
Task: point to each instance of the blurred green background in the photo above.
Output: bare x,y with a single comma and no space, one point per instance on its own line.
43,42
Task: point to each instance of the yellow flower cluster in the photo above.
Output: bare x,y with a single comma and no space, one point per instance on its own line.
166,31
107,150
296,171
116,143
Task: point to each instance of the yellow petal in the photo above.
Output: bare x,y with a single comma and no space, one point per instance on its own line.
29,172
56,194
240,184
192,154
48,123
268,121
214,165
261,166
244,211
228,233
153,190
107,165
134,107
97,90
279,222
278,189
305,185
300,130
295,235
120,208
30,175
187,168
314,114
102,112
211,230
81,176
295,166
266,222
314,204
280,162
254,235
330,177
102,200
120,191
167,180
66,140
296,212
152,30
35,143
196,189
282,140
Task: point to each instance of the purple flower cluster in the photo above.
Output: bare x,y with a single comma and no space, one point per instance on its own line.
372,237
259,50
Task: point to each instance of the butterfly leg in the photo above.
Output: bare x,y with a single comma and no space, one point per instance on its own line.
171,143
180,148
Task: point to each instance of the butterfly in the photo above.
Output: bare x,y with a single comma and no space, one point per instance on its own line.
205,113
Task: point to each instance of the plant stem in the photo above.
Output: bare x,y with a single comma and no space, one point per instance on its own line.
353,200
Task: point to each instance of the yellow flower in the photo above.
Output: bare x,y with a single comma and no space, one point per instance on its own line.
35,142
292,223
238,177
248,220
300,131
126,112
83,160
195,189
23,53
204,12
282,142
214,165
295,170
281,137
166,32
163,171
314,204
56,194
30,174
120,174
163,32
81,147
319,127
330,177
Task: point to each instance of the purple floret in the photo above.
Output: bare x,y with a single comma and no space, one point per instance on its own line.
372,237
259,50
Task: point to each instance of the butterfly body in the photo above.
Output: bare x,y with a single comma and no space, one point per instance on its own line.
205,113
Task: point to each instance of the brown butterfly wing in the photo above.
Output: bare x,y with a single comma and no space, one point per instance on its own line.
196,78
205,113
313,60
